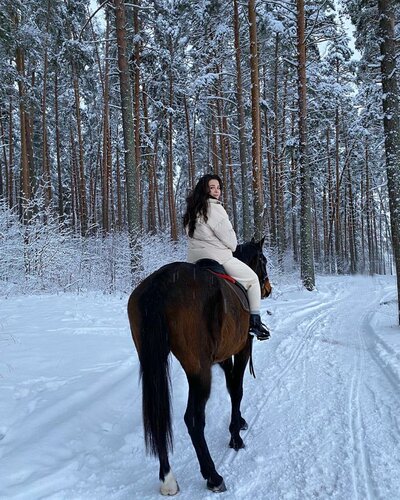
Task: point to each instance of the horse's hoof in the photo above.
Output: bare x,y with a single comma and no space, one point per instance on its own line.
170,492
216,489
236,444
169,486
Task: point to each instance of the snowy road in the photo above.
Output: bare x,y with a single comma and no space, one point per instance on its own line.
323,413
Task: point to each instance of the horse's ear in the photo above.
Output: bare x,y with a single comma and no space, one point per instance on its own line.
258,243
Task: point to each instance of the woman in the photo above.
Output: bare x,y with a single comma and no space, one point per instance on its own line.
211,236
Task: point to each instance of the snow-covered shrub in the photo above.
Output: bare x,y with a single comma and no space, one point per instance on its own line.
47,256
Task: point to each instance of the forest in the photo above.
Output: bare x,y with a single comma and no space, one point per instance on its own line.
110,111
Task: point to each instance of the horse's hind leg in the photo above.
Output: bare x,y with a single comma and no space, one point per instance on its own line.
199,391
169,486
234,374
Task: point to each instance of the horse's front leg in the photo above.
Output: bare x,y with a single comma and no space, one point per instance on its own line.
234,373
199,391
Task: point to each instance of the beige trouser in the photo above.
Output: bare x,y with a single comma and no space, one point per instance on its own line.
248,278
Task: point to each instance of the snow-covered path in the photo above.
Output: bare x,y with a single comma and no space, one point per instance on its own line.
323,413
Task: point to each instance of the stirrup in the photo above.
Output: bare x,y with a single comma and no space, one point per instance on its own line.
258,328
260,334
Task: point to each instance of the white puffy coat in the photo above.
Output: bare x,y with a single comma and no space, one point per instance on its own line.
214,239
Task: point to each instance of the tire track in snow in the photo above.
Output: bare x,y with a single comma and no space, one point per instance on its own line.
228,455
387,370
361,470
305,342
365,485
64,409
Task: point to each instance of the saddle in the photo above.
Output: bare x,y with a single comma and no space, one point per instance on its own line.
218,269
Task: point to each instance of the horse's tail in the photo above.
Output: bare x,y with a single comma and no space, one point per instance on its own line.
154,371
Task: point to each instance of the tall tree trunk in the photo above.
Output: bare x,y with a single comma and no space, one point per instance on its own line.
170,163
258,194
362,225
222,141
306,242
150,167
58,149
106,170
136,107
10,187
74,182
26,186
368,208
156,187
316,238
128,131
338,229
391,123
244,165
191,164
45,146
120,221
276,155
83,215
280,175
271,176
3,178
352,228
213,132
293,197
330,204
325,226
231,176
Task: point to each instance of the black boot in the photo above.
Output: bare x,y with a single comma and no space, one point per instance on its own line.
257,328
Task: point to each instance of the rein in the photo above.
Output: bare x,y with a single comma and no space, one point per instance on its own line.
224,276
251,365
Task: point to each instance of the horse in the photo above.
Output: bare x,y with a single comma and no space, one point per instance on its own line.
187,310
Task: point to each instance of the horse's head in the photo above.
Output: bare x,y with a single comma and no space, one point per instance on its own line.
251,253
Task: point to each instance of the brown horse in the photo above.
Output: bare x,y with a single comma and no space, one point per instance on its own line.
189,311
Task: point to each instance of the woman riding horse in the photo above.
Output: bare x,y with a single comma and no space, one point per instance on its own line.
187,310
211,236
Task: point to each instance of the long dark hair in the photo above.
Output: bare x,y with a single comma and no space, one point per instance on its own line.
197,201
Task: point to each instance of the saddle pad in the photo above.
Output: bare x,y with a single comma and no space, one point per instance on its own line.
218,270
241,294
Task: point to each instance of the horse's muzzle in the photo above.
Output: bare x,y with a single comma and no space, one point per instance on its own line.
266,288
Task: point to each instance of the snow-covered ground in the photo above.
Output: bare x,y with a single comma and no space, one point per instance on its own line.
323,412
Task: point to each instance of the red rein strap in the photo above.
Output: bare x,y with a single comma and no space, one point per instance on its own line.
225,277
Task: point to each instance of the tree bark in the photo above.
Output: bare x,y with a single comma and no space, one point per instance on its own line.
150,167
244,165
45,146
258,194
191,164
338,228
293,197
58,149
136,107
222,140
306,242
83,215
26,186
3,179
10,187
129,134
106,170
170,163
391,124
